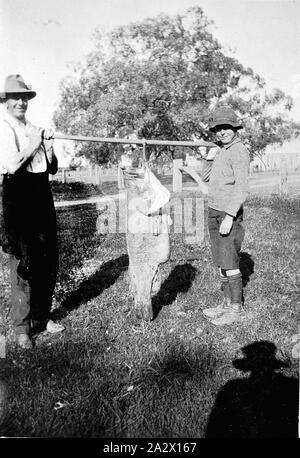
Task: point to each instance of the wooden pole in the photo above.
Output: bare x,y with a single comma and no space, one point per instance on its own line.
121,183
143,142
283,177
98,175
177,175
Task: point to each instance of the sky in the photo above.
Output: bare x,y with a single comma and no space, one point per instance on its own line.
40,39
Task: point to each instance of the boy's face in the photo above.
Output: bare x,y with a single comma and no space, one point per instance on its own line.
225,133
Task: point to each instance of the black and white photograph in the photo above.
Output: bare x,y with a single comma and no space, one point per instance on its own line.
149,223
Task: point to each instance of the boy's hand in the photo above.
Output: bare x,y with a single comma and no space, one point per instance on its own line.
204,189
226,225
211,153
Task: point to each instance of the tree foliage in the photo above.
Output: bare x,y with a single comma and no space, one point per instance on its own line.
159,79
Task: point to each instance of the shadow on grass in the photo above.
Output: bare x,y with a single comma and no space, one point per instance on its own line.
105,277
53,375
179,281
72,389
263,405
246,267
178,361
178,387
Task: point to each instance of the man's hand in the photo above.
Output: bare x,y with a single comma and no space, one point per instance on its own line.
48,134
48,137
226,225
35,136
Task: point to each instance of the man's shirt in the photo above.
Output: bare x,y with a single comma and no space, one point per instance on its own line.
13,140
228,183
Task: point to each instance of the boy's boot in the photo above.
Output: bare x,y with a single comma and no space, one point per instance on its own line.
214,312
234,311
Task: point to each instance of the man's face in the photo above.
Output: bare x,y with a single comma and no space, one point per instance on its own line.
16,105
225,133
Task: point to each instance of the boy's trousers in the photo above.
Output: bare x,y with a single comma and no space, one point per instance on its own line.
225,248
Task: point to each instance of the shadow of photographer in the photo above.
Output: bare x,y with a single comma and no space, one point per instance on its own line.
264,405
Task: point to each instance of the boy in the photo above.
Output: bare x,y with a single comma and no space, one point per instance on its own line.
227,191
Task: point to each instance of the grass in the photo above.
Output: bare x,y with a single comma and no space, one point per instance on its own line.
110,375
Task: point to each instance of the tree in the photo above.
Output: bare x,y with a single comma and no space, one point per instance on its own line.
264,116
159,78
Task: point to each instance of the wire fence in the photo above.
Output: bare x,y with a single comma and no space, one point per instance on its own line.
98,175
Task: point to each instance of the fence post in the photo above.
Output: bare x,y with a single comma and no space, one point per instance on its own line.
97,175
64,175
121,183
283,176
177,175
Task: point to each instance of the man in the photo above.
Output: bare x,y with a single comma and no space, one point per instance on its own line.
28,214
227,191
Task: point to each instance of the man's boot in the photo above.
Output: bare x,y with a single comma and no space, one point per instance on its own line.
214,312
234,311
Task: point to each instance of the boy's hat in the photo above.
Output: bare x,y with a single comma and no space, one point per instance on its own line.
14,84
224,115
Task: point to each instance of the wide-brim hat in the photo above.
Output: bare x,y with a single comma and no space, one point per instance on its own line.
259,356
224,115
14,84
